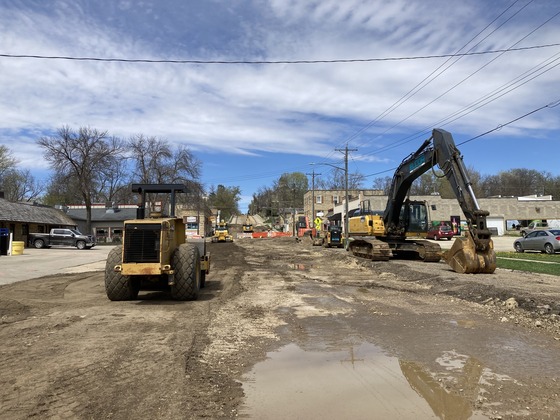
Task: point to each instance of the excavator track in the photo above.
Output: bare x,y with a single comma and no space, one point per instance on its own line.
371,248
428,251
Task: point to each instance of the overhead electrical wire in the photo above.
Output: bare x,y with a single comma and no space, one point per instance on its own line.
513,84
350,60
403,99
429,79
462,112
497,128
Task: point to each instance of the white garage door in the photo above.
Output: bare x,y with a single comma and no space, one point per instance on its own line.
496,223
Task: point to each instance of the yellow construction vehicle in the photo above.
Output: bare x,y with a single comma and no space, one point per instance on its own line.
385,234
155,254
247,226
221,233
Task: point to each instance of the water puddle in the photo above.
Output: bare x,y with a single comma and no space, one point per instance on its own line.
359,382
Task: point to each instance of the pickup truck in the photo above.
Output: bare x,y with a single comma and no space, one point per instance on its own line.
540,225
64,237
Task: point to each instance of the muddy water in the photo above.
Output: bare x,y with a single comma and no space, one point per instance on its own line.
360,382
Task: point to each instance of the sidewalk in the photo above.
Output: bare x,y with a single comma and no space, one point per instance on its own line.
501,243
36,263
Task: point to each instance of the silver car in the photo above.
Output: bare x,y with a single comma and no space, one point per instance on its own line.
539,240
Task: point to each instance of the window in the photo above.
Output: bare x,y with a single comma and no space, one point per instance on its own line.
318,199
336,199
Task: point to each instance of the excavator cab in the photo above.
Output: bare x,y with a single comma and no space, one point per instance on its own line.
415,217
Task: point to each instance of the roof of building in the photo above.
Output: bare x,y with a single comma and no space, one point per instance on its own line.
103,215
32,213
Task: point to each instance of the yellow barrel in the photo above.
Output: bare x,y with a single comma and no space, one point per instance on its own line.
17,247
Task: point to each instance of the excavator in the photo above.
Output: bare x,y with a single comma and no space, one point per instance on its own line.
381,235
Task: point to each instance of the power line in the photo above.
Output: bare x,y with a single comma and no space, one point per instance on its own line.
351,60
499,127
437,73
463,112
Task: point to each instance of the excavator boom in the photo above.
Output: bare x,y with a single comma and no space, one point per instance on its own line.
473,253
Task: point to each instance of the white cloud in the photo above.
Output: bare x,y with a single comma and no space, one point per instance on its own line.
248,109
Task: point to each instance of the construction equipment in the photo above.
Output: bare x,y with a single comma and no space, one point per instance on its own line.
334,237
247,226
221,233
382,236
155,254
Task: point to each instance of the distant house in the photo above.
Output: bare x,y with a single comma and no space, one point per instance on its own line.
23,218
107,220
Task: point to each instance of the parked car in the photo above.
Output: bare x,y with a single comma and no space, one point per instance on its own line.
539,240
439,232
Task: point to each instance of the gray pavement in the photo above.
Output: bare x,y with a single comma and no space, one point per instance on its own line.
34,263
501,243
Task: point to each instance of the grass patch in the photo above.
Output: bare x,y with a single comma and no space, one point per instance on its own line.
529,261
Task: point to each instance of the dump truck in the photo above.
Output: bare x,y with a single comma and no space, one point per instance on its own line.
391,233
155,254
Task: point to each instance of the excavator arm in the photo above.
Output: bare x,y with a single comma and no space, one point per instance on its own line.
472,254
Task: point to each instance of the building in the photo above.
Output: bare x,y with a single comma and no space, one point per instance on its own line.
198,219
107,220
324,201
24,218
506,213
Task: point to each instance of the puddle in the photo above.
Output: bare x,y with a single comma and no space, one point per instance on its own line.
359,382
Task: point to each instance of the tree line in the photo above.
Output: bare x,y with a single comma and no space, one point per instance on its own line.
90,166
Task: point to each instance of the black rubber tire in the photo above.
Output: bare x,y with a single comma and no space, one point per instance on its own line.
186,265
436,238
549,249
81,245
39,243
117,286
518,247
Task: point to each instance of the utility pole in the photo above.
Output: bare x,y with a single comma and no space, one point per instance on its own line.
313,195
345,151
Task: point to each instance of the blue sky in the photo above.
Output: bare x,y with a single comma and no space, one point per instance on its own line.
249,123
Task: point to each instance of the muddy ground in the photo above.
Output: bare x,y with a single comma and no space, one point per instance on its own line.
68,352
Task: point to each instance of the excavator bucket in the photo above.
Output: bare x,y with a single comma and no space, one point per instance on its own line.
463,257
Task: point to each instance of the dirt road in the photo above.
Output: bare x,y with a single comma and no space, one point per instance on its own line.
286,330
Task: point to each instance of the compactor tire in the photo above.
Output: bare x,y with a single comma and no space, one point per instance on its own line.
519,248
186,265
39,243
117,286
549,249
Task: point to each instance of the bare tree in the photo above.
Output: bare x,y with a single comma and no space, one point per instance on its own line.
20,185
337,180
382,184
115,180
7,162
156,162
81,155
